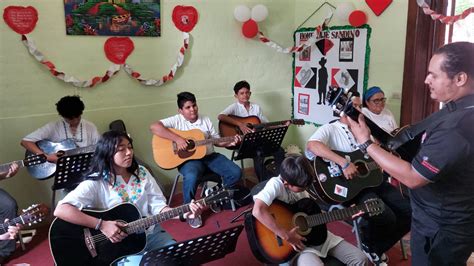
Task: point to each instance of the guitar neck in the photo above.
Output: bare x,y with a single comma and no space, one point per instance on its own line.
336,215
213,141
142,224
5,167
12,222
80,150
375,130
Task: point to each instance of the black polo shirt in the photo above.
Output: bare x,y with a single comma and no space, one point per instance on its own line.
446,159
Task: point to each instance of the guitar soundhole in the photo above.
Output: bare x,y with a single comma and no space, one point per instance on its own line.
191,145
301,222
362,169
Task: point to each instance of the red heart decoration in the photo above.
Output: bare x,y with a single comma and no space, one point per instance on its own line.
378,6
185,17
21,19
117,49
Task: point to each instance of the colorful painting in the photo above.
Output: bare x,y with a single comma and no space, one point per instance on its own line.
113,17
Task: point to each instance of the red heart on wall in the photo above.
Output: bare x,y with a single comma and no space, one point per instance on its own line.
378,6
21,19
117,49
185,17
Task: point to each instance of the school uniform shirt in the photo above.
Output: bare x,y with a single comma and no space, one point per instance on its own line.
336,136
239,109
141,190
203,123
276,190
57,131
385,120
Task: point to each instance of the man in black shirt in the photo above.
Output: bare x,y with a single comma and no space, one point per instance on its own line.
441,176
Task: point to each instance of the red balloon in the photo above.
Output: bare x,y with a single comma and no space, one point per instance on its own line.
250,28
357,18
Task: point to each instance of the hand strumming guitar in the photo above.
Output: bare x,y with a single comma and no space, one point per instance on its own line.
113,230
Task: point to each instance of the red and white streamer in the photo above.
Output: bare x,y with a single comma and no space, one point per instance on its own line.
442,18
113,69
293,49
158,82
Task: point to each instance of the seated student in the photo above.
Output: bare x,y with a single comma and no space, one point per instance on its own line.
70,126
115,177
379,232
374,108
244,108
8,210
188,118
289,187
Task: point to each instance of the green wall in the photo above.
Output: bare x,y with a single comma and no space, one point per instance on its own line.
218,57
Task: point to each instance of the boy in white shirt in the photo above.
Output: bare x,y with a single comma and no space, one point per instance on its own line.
244,108
289,187
187,119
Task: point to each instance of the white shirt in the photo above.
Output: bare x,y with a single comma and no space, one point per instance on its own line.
239,109
336,136
99,194
203,123
275,189
385,120
57,131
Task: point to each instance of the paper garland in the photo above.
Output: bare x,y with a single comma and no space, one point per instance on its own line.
294,49
442,18
179,61
113,69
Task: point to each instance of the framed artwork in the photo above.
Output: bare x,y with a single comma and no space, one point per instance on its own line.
339,58
113,17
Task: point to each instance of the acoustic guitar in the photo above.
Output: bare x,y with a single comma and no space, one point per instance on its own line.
167,155
64,148
253,122
73,244
32,215
332,186
29,161
306,214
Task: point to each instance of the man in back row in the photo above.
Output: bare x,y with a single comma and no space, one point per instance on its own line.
440,176
188,118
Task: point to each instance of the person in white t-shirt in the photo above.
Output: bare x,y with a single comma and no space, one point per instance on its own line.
70,126
188,118
244,108
289,187
380,232
374,108
116,177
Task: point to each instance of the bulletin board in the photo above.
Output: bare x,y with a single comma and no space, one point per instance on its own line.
339,57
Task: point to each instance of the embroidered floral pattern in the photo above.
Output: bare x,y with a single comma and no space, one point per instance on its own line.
132,191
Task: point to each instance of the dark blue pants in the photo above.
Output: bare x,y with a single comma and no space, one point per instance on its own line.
192,170
8,209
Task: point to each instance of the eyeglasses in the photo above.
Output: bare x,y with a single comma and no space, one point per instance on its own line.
379,101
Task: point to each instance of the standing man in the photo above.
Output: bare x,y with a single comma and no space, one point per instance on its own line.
441,176
70,126
188,118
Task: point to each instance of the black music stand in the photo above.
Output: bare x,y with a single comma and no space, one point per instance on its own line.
261,143
195,251
69,172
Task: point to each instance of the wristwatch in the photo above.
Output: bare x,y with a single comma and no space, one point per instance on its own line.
363,147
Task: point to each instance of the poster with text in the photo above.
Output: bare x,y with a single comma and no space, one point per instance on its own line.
338,58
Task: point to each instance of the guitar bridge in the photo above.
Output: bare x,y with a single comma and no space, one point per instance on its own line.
89,242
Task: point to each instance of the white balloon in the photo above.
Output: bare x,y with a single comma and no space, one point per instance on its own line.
343,10
259,13
242,13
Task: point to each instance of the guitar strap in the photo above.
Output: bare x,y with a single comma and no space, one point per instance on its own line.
412,131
